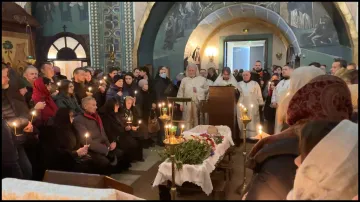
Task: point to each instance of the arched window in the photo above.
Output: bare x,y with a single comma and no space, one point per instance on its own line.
67,53
66,48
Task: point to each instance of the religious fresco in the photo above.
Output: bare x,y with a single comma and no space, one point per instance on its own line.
75,15
311,24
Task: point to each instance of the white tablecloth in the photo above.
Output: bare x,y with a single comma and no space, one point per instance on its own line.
197,174
15,189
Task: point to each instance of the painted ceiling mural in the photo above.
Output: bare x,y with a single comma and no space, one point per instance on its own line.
309,20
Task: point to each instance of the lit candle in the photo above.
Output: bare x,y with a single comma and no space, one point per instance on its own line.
182,128
58,83
135,92
105,77
86,137
129,120
33,113
101,81
89,89
139,122
14,124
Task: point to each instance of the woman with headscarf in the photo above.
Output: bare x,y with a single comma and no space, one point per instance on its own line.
299,78
195,87
251,99
41,93
65,152
130,122
66,97
323,173
272,158
115,130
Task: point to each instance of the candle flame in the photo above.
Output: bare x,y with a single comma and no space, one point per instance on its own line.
169,105
260,127
89,88
163,104
101,81
58,83
135,92
86,135
105,77
251,105
33,113
129,119
139,121
159,105
14,124
182,126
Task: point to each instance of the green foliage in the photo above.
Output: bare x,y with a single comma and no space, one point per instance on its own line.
190,152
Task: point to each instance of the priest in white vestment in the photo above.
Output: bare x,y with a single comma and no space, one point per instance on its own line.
251,96
195,87
280,92
226,78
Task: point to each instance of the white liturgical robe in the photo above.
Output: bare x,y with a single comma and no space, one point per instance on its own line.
186,90
280,91
251,95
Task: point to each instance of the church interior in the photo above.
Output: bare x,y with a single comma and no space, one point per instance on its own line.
180,100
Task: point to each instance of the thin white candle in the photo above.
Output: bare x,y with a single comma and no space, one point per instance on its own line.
90,88
33,113
86,137
14,124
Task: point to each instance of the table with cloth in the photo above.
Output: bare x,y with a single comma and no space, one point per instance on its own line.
15,189
197,174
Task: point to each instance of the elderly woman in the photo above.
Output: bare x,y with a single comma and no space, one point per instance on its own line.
299,78
195,87
272,158
323,173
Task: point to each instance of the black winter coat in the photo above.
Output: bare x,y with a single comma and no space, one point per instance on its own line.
160,86
79,91
70,102
275,171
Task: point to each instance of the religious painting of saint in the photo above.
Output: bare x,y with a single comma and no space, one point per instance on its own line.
300,14
196,57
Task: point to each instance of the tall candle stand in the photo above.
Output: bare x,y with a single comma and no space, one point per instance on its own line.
245,119
171,142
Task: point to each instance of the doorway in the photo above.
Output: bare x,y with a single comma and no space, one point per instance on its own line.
243,54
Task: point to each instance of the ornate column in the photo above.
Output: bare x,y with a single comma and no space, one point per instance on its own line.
94,32
128,34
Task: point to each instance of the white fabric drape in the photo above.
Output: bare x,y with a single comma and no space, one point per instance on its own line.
330,171
299,78
251,96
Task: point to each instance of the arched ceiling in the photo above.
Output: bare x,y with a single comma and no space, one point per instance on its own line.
242,11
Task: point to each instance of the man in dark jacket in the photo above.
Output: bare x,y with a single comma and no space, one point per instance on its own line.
79,84
10,157
101,150
97,88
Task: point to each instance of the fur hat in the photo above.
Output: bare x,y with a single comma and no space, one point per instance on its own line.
117,78
143,82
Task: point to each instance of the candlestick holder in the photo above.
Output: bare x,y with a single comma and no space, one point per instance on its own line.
164,117
171,141
245,119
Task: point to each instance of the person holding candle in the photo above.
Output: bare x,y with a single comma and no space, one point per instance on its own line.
116,89
65,152
30,75
42,87
129,117
104,153
251,99
66,97
47,71
195,87
115,131
97,88
110,76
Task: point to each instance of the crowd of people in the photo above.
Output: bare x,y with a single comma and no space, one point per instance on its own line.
100,123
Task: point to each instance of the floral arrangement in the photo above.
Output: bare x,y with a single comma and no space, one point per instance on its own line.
191,152
194,150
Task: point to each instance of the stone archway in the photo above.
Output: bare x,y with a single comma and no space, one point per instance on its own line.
154,7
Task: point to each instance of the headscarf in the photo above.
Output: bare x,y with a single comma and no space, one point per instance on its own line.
41,94
330,171
143,82
299,78
325,97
